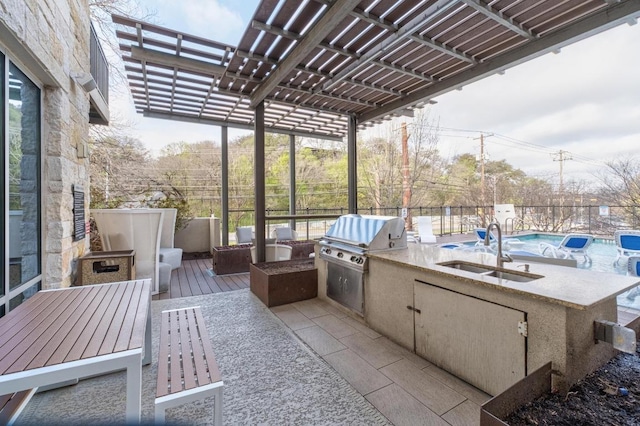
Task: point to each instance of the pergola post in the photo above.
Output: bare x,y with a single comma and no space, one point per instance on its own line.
352,162
224,139
292,179
258,178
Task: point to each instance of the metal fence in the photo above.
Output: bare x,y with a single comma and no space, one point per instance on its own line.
448,220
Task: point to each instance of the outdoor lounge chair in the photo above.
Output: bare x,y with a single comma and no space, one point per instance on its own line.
425,230
633,268
627,244
508,243
570,246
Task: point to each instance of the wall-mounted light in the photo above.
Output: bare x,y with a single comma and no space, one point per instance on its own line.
85,80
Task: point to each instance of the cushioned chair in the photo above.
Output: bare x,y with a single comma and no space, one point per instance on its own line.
244,234
139,230
284,233
168,253
570,246
627,244
273,253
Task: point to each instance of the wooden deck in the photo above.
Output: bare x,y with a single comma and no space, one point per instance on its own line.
193,279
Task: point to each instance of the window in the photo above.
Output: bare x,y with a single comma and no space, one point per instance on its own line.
21,158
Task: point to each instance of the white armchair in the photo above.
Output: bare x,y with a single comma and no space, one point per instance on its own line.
168,253
139,230
273,253
284,233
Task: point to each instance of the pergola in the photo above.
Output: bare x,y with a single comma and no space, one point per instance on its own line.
323,68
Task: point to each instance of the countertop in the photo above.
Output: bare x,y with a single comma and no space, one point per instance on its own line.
572,287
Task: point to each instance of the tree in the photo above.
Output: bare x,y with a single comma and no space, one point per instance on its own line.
621,186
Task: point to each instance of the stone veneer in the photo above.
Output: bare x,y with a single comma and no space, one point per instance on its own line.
49,40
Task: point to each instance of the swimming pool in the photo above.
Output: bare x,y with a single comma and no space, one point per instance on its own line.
602,252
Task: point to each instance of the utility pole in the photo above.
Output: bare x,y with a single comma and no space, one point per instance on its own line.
406,187
482,186
561,156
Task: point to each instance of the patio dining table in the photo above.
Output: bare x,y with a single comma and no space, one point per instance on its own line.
65,334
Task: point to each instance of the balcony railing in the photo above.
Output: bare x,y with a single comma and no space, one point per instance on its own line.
447,220
99,65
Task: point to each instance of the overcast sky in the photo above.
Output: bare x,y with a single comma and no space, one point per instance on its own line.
584,101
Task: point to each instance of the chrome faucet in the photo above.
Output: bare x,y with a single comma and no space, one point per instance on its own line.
501,258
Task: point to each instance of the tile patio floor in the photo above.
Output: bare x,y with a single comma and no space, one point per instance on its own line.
405,388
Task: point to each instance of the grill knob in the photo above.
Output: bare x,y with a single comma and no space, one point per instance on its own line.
328,251
354,259
340,255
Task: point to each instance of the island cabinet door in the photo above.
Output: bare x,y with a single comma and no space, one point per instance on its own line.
478,341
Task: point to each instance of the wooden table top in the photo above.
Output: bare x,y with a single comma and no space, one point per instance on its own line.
63,325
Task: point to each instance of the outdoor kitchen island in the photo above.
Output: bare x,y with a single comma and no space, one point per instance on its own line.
489,331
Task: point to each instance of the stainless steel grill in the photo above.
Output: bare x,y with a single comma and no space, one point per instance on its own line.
345,247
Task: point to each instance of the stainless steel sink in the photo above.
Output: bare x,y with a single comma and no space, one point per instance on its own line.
524,277
466,266
490,271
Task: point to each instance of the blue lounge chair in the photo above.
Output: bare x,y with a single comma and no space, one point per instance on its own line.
633,268
570,246
508,243
627,244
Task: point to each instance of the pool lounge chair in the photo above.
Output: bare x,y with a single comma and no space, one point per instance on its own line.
425,230
633,268
570,246
508,243
627,244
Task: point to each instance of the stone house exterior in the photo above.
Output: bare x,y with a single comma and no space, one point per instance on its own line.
47,68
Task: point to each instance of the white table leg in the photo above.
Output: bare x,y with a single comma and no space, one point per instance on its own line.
134,390
218,407
147,339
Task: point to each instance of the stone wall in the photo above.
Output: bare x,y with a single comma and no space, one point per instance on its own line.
49,41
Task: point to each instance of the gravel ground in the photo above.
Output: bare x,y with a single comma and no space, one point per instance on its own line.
608,396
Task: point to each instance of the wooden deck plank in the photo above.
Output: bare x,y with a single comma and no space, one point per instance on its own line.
192,274
211,286
192,279
183,284
200,282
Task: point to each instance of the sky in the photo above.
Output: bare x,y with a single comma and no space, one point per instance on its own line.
583,101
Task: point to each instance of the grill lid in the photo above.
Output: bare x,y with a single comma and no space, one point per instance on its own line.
368,232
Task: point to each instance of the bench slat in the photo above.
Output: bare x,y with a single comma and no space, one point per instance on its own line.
197,364
212,366
175,369
162,387
188,347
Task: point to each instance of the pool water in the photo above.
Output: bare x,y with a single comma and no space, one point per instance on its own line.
602,252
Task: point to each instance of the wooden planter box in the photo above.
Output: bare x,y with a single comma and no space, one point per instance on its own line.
231,259
279,283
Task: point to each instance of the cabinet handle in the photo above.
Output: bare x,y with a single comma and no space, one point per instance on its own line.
411,308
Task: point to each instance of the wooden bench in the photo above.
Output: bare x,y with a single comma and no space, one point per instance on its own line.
11,405
187,369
